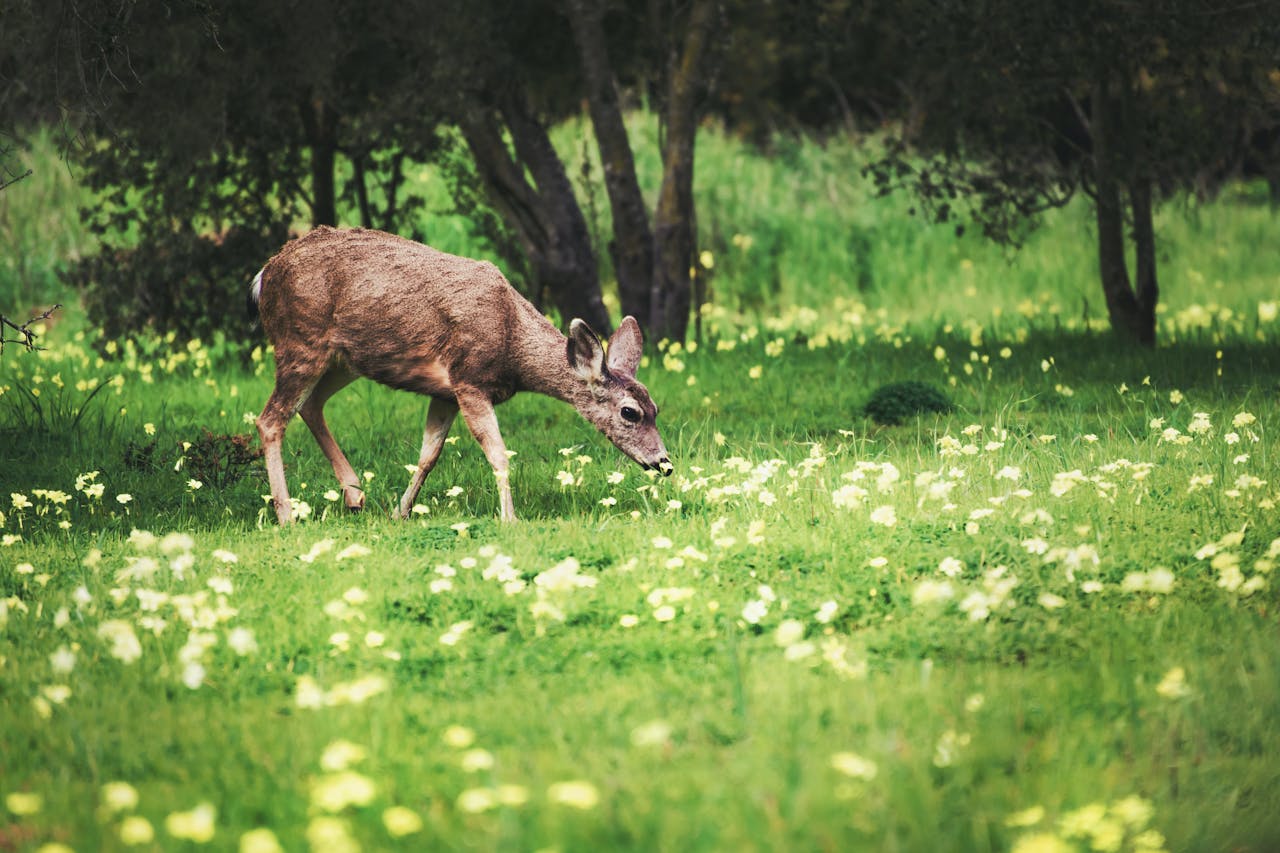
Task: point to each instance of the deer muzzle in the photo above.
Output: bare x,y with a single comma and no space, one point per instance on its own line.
662,466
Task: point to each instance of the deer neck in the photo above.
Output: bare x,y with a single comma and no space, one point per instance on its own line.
542,366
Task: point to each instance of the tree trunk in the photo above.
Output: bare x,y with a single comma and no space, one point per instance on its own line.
390,189
673,241
320,124
503,180
1146,283
1114,271
632,246
359,179
547,219
1132,315
569,270
674,222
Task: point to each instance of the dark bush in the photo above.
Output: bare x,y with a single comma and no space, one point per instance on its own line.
896,402
190,284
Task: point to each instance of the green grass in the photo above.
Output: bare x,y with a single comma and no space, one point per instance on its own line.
701,711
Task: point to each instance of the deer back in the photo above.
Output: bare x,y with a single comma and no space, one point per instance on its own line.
399,312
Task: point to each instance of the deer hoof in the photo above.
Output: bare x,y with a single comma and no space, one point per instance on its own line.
353,497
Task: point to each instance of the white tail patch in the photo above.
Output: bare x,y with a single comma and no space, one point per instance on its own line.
256,290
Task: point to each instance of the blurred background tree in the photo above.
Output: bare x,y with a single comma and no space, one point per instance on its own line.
1014,107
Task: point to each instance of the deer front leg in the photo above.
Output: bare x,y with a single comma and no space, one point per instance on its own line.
312,412
440,417
275,473
272,423
477,411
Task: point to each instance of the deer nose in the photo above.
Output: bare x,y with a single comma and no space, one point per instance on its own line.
664,465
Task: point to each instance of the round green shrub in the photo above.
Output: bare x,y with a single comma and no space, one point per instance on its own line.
893,403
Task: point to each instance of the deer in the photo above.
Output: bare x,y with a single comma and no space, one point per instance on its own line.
340,304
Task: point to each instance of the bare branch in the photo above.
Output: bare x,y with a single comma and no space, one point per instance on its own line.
6,184
27,334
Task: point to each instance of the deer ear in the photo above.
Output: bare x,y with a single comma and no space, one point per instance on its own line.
585,352
625,347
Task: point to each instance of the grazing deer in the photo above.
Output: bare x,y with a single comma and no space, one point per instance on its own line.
340,304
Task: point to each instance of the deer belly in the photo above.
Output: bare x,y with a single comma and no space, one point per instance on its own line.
422,376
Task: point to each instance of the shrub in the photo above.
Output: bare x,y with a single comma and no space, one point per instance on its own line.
190,284
894,403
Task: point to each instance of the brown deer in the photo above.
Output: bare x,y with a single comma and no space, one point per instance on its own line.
341,304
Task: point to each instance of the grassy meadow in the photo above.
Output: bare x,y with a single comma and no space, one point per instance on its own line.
1046,621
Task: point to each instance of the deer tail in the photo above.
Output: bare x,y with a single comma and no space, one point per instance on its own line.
255,296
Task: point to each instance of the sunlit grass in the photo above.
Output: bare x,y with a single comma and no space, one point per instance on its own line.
1024,622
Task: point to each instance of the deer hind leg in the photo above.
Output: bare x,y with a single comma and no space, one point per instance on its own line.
312,411
440,415
292,388
477,411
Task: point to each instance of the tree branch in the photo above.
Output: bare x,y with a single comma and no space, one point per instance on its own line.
12,181
28,335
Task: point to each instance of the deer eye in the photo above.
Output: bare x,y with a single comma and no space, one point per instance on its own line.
631,415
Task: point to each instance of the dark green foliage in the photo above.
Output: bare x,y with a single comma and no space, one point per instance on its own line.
190,284
896,402
234,124
485,225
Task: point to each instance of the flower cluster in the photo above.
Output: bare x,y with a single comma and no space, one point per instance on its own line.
1123,825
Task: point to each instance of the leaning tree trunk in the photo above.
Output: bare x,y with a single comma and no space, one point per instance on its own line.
546,218
569,270
1132,314
632,246
674,222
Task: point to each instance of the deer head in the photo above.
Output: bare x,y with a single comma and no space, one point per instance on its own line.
612,399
